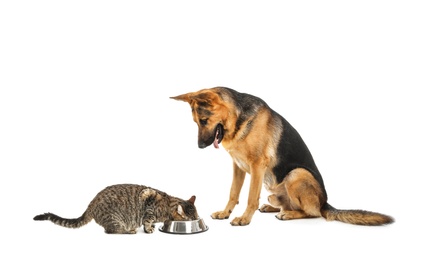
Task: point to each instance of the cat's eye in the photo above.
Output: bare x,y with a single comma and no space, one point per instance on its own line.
203,122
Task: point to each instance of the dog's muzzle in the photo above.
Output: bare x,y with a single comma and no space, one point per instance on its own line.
215,138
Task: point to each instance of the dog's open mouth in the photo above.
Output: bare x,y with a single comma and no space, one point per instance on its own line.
219,133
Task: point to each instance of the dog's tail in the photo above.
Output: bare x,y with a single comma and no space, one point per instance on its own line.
64,222
356,217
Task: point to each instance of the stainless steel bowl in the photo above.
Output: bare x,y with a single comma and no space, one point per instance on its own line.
184,227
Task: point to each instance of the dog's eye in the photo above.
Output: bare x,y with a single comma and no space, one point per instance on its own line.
203,122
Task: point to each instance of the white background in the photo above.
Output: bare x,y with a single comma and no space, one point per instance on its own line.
84,103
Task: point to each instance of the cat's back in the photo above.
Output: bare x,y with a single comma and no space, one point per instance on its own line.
118,193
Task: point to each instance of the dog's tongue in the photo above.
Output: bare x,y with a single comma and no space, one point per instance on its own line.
216,140
216,143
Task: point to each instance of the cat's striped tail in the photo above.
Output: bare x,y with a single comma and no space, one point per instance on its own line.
65,222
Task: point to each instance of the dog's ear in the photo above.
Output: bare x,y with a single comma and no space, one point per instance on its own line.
204,98
183,97
200,97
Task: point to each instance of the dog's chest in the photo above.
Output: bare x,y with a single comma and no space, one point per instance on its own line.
240,161
241,164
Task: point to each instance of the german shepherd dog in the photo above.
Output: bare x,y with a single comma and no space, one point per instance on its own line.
262,143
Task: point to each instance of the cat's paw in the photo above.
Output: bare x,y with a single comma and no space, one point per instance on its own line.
149,229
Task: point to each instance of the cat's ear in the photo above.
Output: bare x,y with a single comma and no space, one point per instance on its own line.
180,210
192,199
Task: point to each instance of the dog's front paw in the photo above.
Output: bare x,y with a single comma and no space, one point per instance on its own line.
220,215
240,221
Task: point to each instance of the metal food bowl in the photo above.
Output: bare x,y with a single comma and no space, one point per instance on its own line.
184,227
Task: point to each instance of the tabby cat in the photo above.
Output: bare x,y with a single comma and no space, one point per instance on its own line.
123,208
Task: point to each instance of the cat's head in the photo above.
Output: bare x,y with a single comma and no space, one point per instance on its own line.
186,210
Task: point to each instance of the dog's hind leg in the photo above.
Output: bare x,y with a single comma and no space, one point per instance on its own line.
302,197
309,209
278,199
265,208
277,202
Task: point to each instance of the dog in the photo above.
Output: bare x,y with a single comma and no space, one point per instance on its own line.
262,143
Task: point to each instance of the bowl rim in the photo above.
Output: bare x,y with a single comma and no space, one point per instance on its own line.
161,228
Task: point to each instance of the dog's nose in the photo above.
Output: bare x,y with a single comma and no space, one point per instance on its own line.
202,145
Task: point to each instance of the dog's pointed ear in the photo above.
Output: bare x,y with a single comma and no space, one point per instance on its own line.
184,97
201,97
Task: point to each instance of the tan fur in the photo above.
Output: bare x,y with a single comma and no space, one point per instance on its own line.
253,148
297,196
